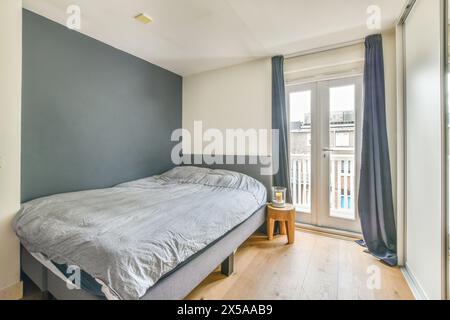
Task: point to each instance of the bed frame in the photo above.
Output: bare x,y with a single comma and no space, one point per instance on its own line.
178,284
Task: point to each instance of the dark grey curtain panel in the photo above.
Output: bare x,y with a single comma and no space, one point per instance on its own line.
375,202
280,122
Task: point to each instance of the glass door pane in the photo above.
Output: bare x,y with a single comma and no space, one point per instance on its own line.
300,104
340,105
301,100
342,151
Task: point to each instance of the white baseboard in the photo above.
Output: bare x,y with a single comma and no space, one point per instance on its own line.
413,283
336,232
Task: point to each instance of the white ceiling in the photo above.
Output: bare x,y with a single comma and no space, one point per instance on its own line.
191,36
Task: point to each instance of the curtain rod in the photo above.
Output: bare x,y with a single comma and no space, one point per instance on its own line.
325,48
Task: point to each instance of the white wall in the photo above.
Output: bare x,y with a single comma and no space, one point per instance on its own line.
237,97
424,147
10,108
240,96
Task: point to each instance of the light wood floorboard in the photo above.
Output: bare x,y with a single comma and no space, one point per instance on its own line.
316,267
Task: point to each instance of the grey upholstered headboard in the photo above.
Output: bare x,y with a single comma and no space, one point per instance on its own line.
252,170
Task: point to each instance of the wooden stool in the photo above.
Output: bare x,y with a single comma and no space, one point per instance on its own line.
286,217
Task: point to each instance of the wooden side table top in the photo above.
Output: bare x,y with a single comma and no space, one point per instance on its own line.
287,208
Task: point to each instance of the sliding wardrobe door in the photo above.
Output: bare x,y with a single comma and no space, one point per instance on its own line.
425,176
447,152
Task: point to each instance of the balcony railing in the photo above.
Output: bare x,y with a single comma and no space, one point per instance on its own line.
342,184
301,182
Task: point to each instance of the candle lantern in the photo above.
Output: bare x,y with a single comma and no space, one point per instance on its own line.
279,197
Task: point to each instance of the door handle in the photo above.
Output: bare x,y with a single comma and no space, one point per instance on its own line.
328,150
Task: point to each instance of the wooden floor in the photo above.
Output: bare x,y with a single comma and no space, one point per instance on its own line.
316,267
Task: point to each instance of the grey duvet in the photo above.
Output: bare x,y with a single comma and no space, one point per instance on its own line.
131,235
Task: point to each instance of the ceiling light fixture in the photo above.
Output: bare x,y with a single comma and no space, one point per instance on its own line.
143,18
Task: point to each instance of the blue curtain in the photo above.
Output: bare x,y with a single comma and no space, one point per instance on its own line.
280,122
375,202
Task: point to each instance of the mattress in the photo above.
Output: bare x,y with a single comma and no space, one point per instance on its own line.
96,287
130,236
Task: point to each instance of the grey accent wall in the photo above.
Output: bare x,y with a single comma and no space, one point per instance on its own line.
92,116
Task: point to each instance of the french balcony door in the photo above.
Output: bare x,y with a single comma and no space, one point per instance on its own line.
325,144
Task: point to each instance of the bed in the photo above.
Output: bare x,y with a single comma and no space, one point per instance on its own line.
154,238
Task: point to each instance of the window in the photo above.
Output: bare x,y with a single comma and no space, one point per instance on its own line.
300,117
308,140
342,139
